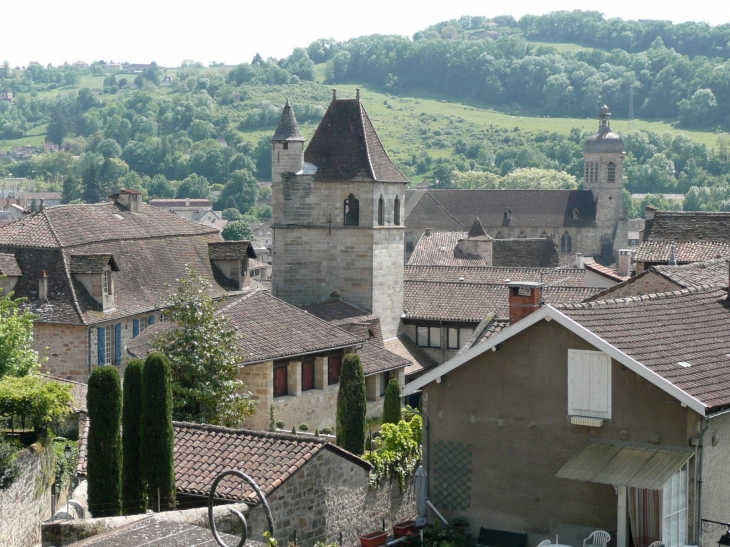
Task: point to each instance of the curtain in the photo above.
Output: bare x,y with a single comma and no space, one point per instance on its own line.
645,513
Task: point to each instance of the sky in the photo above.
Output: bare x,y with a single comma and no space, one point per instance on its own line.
141,31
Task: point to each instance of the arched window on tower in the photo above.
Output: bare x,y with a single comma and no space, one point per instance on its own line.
566,244
352,211
381,211
396,212
611,172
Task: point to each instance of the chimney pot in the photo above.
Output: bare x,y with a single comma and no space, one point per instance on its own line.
579,261
522,305
624,262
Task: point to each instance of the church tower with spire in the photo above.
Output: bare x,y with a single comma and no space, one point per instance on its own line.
338,214
603,176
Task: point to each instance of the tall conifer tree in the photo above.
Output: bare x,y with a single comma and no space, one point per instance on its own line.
133,491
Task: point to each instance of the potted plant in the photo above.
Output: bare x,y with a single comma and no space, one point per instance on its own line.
374,539
402,528
460,526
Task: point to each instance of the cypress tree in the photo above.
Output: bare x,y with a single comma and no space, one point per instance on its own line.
133,491
351,405
104,463
391,404
158,437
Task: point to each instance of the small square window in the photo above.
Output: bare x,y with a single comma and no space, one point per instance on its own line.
428,337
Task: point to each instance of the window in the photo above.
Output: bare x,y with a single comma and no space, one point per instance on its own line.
566,244
428,337
334,364
499,235
544,234
383,383
396,212
281,387
352,211
286,146
108,345
589,384
576,214
106,283
381,211
142,323
307,375
611,172
236,271
456,338
522,235
674,509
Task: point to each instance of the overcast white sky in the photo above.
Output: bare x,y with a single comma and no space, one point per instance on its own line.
166,31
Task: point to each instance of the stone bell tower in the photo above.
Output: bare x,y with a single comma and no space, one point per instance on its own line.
603,176
338,214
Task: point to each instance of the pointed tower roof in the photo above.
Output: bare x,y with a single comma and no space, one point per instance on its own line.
288,129
477,231
346,147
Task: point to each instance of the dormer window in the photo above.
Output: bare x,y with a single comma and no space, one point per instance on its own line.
107,286
507,214
575,214
96,274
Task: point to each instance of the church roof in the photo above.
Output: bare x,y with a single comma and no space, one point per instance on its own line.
605,140
345,147
288,129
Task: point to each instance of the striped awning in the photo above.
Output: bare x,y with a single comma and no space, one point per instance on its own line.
625,464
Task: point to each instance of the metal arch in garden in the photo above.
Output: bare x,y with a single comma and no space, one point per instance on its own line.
235,512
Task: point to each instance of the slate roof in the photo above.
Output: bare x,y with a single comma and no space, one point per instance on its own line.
604,141
335,310
150,248
590,264
230,250
574,277
697,235
453,210
288,129
89,264
472,302
698,273
345,147
203,451
9,265
662,330
438,248
420,361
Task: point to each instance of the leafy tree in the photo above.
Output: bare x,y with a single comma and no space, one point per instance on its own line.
104,463
71,190
91,180
17,356
243,188
546,179
204,355
160,187
58,127
391,404
232,214
194,186
238,230
133,491
158,436
42,401
109,149
351,405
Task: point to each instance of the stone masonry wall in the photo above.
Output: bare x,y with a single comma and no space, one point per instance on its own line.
387,272
67,350
27,501
329,495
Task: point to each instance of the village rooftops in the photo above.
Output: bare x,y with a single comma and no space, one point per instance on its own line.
345,147
191,203
590,264
693,235
574,277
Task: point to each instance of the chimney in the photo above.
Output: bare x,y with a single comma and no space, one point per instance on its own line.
43,287
579,260
624,262
649,212
427,232
129,199
42,205
524,298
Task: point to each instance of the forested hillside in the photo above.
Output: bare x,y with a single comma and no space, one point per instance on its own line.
461,98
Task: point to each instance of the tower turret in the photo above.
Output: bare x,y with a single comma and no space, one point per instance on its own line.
287,145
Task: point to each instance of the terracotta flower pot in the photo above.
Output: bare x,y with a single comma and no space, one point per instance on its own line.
374,539
402,528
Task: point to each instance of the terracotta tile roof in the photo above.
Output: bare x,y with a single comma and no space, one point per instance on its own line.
660,331
711,272
345,147
335,310
697,235
438,249
487,327
573,277
376,359
420,361
203,451
591,264
529,208
9,265
472,302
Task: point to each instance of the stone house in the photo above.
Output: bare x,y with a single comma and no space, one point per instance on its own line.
314,489
293,359
97,275
606,415
682,237
591,221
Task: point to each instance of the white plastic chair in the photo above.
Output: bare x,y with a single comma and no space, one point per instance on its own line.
657,544
548,542
599,537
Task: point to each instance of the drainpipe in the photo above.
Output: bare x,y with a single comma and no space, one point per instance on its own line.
700,457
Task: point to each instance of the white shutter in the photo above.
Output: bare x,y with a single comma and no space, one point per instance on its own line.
589,383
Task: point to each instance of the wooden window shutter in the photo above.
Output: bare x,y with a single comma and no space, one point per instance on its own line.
334,364
135,328
280,382
307,375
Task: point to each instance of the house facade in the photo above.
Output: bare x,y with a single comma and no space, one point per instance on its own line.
565,422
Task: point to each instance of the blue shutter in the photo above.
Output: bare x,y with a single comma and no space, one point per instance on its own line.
100,345
151,320
118,344
135,328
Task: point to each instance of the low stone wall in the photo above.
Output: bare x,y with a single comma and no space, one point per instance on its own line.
27,502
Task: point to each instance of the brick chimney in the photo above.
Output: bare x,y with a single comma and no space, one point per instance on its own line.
43,286
624,262
524,298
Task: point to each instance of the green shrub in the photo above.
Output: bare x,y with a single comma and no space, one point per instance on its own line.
272,418
398,454
303,427
279,424
351,405
316,432
326,431
293,430
391,404
158,437
134,499
104,459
